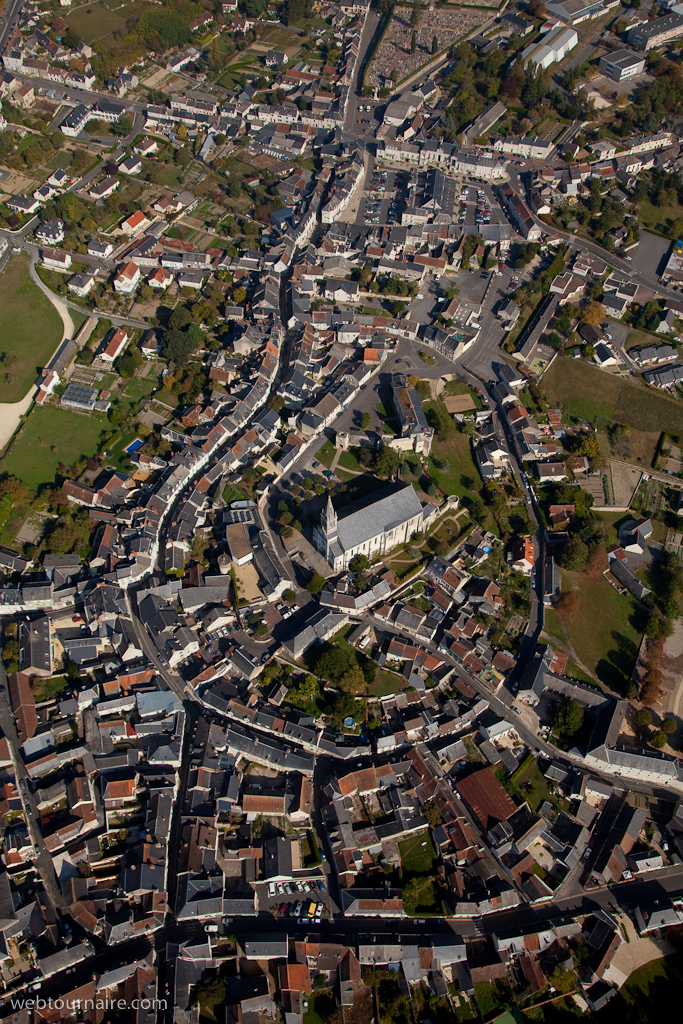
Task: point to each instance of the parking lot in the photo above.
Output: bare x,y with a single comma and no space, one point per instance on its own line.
383,199
305,900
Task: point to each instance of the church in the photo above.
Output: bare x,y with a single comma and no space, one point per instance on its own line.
370,526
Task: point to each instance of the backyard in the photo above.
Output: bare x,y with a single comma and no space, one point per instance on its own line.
55,436
417,854
604,636
462,477
30,329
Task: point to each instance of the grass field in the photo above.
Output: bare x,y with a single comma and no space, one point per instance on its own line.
659,218
588,393
96,22
652,990
605,632
349,461
71,434
416,858
325,455
30,330
386,683
463,476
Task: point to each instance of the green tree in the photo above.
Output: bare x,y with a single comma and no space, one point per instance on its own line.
642,718
385,462
352,681
365,420
658,739
315,584
575,555
415,15
179,318
239,295
289,596
432,814
669,726
435,44
359,563
413,42
178,345
568,716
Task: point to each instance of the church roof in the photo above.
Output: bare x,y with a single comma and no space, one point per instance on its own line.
365,519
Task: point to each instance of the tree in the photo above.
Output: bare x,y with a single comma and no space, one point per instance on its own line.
669,726
432,814
575,555
353,681
365,420
593,313
568,716
568,604
123,126
650,685
179,318
178,346
642,718
239,295
289,596
315,584
658,739
596,563
435,44
413,42
126,366
385,462
415,15
359,563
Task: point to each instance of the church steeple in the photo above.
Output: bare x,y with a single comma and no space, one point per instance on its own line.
329,525
330,517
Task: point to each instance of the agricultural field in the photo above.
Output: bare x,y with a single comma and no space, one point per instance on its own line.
30,329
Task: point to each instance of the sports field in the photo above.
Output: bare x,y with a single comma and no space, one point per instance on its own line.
30,330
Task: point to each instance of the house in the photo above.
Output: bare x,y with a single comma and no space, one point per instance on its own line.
99,248
105,188
146,148
136,223
81,284
634,534
113,345
275,57
25,96
151,344
56,260
551,472
127,278
160,278
604,356
22,204
51,232
522,555
133,165
342,291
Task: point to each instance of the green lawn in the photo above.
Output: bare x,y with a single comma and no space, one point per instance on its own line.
651,991
417,859
71,434
46,689
463,476
586,392
321,1006
605,632
325,455
30,330
95,21
529,774
386,683
349,461
140,387
659,218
